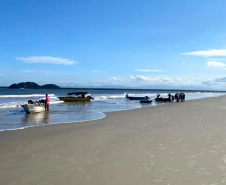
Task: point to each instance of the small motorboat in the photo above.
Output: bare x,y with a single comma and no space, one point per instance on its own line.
76,97
163,99
34,107
134,97
146,100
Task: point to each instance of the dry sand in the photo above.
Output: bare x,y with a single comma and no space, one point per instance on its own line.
177,144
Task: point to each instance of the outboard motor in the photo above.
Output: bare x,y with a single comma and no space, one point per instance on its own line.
30,102
90,97
42,101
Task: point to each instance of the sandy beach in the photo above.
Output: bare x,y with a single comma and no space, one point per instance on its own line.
174,144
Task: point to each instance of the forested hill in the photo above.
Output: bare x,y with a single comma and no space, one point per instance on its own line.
32,85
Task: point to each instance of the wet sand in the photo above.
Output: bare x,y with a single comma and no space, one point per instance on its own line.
177,143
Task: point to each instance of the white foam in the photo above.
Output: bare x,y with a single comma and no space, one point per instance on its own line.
21,96
26,96
12,101
109,97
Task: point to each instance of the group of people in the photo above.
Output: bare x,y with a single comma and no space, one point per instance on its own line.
177,97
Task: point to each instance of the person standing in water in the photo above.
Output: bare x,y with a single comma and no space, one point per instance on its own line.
47,103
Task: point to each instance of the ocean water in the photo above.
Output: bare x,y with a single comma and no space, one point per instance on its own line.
12,115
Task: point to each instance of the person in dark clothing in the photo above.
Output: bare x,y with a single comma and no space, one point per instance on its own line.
182,97
177,97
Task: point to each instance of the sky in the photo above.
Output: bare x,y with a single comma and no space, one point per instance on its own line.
176,44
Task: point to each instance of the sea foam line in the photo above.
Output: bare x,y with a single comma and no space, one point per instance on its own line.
25,95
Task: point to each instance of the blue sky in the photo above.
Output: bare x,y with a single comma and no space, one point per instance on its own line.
134,43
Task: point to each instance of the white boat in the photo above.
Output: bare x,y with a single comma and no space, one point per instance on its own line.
33,108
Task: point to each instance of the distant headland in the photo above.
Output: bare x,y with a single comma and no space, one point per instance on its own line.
32,85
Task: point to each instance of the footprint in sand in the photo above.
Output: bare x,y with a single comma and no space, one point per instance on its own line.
161,146
191,164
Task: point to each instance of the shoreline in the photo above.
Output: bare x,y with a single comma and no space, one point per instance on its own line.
14,118
175,143
105,114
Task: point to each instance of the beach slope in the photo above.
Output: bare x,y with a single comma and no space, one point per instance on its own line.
177,143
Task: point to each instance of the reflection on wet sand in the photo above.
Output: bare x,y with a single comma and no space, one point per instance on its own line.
36,119
59,113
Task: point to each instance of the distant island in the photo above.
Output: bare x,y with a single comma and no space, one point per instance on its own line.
32,85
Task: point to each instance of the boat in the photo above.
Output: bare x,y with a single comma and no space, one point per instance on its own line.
32,107
146,100
163,99
135,98
76,96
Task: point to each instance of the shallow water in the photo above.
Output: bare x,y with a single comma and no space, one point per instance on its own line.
13,117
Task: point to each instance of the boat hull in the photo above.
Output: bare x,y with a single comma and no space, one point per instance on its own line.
162,99
134,98
74,99
145,101
32,108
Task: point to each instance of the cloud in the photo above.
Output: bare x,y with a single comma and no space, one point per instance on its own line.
149,70
164,79
223,79
152,80
218,82
113,79
208,53
171,82
46,60
216,64
138,78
